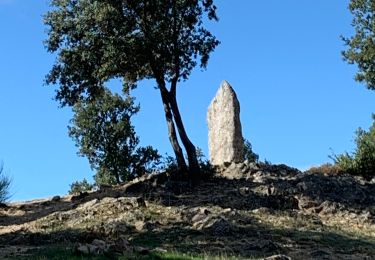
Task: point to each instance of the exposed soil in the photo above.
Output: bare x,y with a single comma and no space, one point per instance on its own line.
268,211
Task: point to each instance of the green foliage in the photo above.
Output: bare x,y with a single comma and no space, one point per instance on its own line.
5,182
362,160
104,134
169,164
97,41
80,186
361,46
248,153
207,170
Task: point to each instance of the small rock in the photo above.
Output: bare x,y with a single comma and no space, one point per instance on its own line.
278,257
159,250
218,227
142,250
305,203
56,198
329,207
198,217
271,191
259,177
121,245
139,225
80,196
227,210
261,210
96,247
83,249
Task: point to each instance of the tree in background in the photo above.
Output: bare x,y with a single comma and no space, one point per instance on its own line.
80,186
5,182
104,134
361,46
131,40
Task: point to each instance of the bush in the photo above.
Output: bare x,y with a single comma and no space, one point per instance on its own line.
362,160
327,169
248,153
207,170
80,186
5,182
169,165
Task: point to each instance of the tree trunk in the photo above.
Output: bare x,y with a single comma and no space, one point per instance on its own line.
117,175
191,151
182,167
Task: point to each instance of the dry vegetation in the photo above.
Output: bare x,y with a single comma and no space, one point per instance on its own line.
273,211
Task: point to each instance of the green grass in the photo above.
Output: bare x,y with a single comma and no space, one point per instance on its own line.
63,253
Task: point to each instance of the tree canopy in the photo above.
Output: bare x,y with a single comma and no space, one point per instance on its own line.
361,46
100,40
104,134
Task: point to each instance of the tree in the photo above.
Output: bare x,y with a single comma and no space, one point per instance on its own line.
362,160
99,40
5,182
361,46
80,186
104,134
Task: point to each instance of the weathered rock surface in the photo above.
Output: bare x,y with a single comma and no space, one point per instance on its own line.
272,211
225,139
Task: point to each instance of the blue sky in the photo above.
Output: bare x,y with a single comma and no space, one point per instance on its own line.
298,98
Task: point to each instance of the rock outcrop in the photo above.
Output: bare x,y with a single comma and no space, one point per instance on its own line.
225,139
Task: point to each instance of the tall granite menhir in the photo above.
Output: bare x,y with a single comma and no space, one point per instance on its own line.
225,139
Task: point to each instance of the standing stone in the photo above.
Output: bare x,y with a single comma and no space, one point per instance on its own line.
225,139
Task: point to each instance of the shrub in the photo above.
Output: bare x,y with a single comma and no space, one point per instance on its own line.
80,186
169,164
5,182
326,168
207,170
248,153
362,160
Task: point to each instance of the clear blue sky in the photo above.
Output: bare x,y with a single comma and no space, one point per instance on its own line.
298,98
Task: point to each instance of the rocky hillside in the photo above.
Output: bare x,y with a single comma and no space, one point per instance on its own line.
248,211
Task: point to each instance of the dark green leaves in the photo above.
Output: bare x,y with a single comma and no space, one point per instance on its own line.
98,40
104,134
361,46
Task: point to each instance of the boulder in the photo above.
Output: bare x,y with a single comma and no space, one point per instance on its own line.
225,139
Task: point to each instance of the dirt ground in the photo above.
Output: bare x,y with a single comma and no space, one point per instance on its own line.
271,211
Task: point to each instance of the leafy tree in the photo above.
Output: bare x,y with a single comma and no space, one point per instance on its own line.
361,46
362,160
5,182
248,153
99,40
104,134
80,186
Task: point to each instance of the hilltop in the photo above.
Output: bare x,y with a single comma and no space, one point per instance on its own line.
247,210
